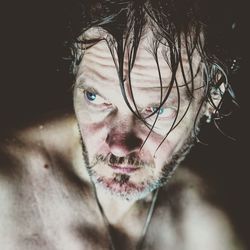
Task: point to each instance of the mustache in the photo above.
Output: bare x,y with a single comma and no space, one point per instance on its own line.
111,159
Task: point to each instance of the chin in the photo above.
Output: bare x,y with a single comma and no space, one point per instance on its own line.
122,187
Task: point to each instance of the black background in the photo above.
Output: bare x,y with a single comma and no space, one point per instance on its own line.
31,86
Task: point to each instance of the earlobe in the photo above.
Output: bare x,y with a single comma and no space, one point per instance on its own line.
214,102
208,112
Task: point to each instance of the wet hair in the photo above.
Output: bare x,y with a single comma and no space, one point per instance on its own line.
183,26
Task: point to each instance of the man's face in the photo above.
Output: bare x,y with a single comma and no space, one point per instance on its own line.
113,136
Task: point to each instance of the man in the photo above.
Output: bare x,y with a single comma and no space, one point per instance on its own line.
100,179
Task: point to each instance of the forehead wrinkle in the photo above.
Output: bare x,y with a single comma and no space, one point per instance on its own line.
101,59
100,67
97,70
97,79
97,73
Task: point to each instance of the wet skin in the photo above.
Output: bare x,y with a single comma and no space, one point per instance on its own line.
47,201
46,194
113,136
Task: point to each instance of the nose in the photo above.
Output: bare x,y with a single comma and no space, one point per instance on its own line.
123,143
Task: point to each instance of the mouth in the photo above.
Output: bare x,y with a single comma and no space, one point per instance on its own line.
124,169
122,180
120,185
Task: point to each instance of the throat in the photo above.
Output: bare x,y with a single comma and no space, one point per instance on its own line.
126,219
114,209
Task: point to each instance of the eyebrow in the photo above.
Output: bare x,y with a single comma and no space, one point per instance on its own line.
84,83
88,86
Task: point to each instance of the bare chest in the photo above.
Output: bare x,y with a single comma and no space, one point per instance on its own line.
46,217
60,213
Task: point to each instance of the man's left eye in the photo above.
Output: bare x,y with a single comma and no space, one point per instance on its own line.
94,98
166,113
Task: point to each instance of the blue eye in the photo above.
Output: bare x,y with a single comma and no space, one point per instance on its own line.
94,99
161,111
90,96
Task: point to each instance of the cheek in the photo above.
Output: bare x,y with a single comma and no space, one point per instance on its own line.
93,131
158,155
94,136
162,150
163,154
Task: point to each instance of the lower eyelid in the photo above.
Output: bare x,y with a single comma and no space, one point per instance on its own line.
171,115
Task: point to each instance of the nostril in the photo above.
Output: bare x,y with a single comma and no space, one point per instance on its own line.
133,142
123,143
112,159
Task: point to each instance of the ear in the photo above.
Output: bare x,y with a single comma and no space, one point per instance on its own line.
214,101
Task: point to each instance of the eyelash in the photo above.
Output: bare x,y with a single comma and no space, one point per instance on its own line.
147,112
103,102
150,110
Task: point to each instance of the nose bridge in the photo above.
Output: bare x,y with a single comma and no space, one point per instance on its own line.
122,137
124,121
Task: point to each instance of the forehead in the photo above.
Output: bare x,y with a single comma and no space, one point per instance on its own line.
100,65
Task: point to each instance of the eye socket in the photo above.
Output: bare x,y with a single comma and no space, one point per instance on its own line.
163,112
90,96
95,98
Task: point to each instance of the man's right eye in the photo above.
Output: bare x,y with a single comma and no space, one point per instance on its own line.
90,96
95,98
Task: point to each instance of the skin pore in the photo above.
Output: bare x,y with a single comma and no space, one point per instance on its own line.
113,136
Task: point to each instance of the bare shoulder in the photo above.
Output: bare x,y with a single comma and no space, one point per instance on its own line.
47,132
36,184
197,219
27,149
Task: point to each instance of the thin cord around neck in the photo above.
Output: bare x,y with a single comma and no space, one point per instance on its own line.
146,224
148,220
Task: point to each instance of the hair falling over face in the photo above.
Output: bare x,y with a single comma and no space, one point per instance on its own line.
178,25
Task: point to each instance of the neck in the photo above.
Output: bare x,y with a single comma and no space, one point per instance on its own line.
115,208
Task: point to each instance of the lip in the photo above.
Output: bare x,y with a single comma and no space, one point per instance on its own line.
127,188
124,169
